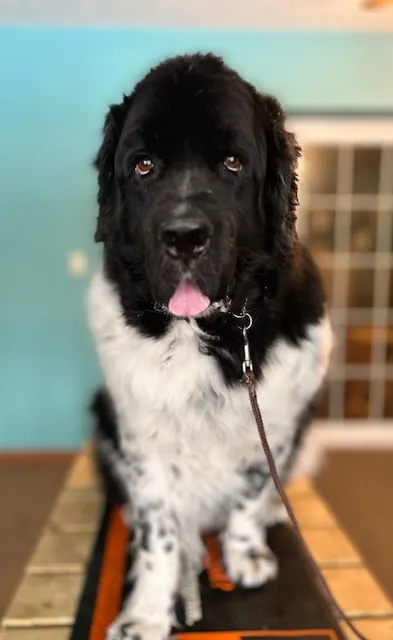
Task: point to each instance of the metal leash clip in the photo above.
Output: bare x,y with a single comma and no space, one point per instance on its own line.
246,325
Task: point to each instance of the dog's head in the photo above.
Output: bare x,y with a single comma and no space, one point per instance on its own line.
197,181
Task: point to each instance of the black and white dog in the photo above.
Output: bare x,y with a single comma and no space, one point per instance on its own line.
197,198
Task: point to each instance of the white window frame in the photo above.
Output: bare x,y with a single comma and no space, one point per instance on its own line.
342,131
365,130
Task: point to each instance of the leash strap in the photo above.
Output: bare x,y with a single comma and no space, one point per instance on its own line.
249,379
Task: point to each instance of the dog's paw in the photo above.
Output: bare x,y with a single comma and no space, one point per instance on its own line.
251,568
124,629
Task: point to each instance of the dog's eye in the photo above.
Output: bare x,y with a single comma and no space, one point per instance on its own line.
233,164
144,166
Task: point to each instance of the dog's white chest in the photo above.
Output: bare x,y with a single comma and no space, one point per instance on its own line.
168,387
173,401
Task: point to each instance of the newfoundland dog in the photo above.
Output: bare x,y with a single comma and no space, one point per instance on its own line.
197,198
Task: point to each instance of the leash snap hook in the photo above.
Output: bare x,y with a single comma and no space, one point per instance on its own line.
245,326
247,365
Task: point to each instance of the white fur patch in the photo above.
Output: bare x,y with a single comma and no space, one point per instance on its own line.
191,431
174,400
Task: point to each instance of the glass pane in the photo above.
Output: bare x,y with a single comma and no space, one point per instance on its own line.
363,231
388,157
389,345
321,230
385,242
388,413
359,343
380,338
336,391
327,277
366,170
361,285
391,289
320,170
357,394
387,220
323,404
385,283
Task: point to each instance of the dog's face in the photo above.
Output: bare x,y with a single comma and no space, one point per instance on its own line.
196,177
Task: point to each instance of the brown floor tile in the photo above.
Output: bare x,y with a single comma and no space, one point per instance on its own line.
27,492
36,634
82,514
358,487
330,547
372,629
80,494
58,551
312,513
83,473
357,592
45,601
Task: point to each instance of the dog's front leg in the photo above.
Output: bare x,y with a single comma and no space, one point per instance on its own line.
148,612
249,561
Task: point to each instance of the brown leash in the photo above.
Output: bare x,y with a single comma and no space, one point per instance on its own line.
249,379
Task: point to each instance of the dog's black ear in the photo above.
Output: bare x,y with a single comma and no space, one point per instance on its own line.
279,191
105,165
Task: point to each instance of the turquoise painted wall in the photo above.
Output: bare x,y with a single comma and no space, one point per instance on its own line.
55,85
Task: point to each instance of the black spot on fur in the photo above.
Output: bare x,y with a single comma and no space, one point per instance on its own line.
303,423
156,505
125,628
145,536
168,548
256,478
175,471
256,555
279,451
139,470
239,538
141,514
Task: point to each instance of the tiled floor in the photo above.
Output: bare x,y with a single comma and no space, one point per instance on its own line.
28,488
358,487
45,603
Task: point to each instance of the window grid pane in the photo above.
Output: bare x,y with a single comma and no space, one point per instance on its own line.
346,220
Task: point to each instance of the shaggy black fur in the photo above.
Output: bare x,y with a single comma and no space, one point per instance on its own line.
187,115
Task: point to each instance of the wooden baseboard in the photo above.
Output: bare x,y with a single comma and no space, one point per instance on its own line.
42,458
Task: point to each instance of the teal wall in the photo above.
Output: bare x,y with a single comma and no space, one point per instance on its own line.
55,85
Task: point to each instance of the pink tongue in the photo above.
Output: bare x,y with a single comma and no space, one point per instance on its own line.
188,300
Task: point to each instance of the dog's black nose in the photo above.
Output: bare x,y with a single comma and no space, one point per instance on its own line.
185,238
